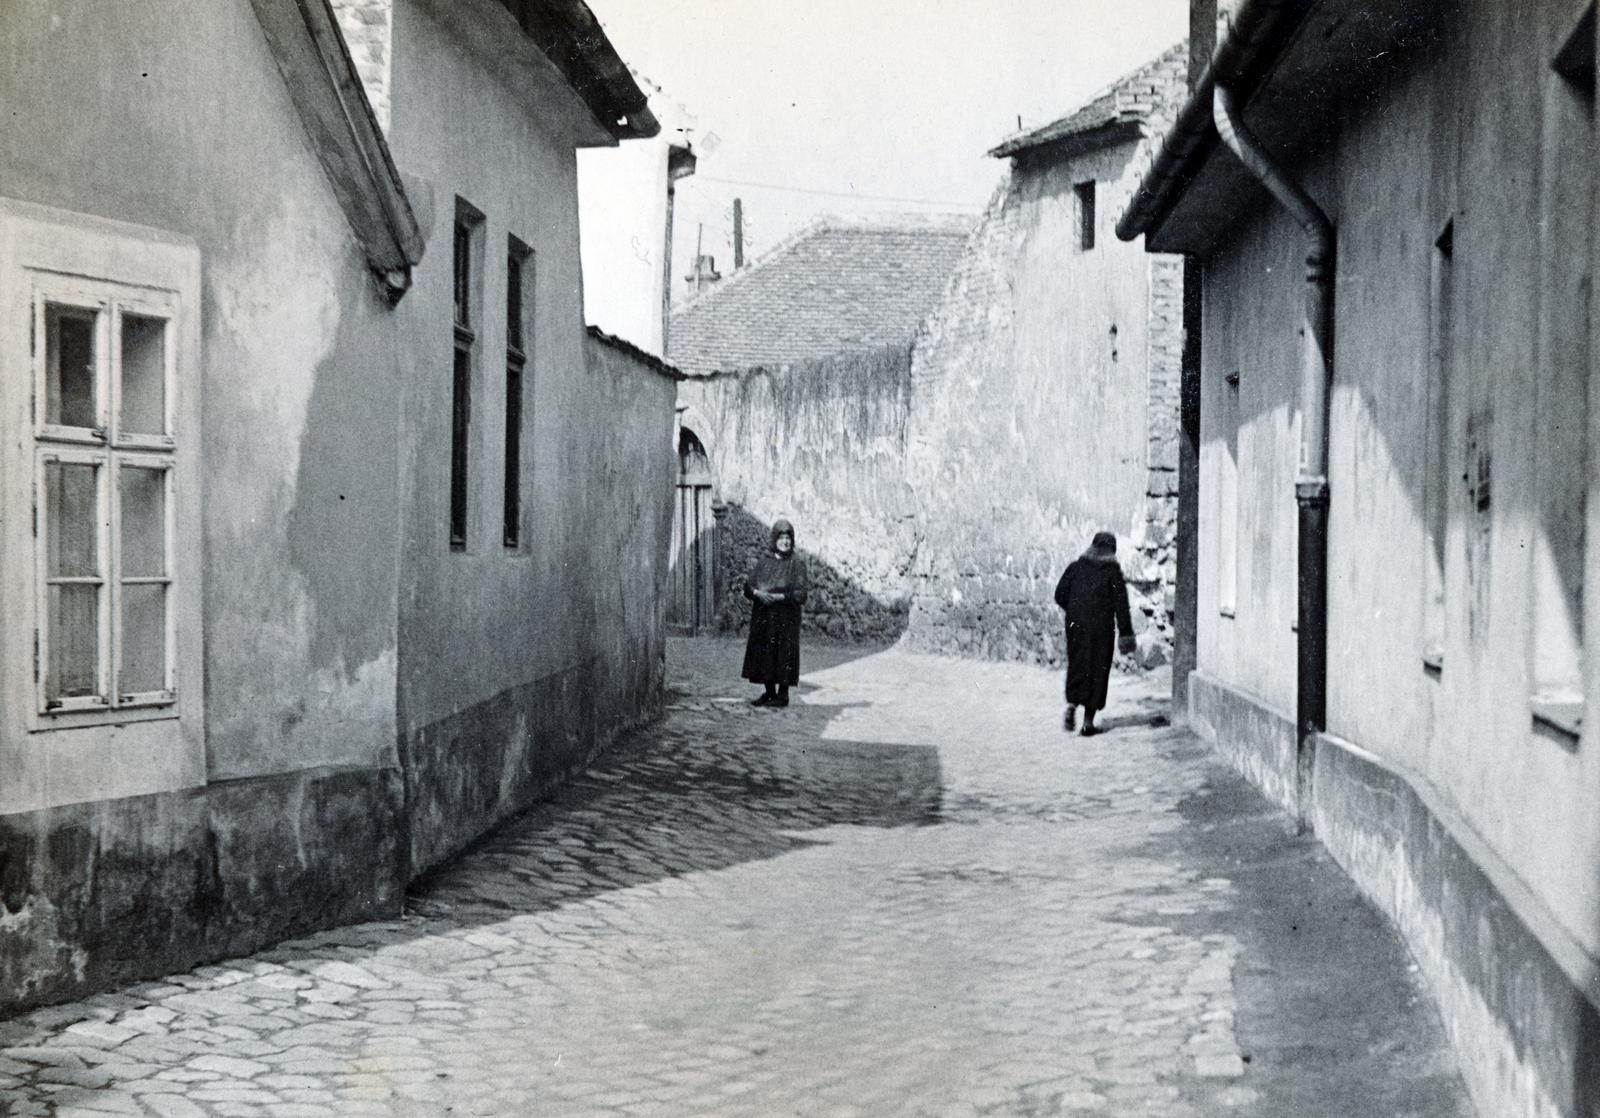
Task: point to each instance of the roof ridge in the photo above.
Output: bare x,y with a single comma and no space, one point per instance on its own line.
933,224
1113,90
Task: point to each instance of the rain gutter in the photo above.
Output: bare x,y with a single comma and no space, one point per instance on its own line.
1316,373
1258,32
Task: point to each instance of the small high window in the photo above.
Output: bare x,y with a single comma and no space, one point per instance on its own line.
1083,194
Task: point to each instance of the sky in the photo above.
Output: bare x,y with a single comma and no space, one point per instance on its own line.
858,107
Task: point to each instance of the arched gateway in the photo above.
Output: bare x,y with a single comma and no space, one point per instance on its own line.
692,597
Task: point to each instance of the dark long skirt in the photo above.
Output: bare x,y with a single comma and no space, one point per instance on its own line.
772,654
1089,653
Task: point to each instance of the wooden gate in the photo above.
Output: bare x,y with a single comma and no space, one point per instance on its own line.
691,605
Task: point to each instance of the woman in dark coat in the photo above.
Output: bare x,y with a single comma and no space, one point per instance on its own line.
777,590
1095,599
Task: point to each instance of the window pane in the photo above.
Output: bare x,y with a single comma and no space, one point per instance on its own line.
463,274
460,419
144,639
514,299
74,636
72,536
144,375
144,534
69,366
511,509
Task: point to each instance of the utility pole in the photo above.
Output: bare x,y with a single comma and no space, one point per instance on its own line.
738,234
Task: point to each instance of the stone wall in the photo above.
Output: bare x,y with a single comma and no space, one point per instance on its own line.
941,487
821,444
1045,407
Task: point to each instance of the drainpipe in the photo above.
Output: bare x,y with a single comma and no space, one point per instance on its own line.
1311,486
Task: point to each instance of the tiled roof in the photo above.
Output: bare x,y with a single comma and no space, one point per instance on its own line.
835,287
1130,100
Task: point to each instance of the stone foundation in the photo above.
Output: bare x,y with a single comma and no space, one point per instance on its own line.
1513,987
469,772
95,896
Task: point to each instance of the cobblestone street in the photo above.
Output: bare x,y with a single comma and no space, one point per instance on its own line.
907,894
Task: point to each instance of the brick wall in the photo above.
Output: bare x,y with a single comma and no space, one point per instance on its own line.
367,25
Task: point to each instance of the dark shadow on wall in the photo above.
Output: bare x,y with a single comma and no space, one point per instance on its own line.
838,608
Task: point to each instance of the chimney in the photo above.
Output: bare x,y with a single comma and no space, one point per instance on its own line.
704,275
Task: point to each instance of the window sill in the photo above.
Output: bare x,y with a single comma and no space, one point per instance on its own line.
1228,611
1561,717
55,720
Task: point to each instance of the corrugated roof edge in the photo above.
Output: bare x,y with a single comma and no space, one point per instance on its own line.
649,360
1258,34
1090,116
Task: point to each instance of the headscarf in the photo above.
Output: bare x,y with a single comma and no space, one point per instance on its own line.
782,528
1103,547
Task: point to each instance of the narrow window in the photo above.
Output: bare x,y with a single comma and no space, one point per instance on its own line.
1083,192
469,224
520,279
1436,480
1562,451
1228,503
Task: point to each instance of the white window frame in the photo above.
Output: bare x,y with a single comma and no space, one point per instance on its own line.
50,256
110,450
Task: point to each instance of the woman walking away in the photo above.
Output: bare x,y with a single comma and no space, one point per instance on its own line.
777,590
1093,595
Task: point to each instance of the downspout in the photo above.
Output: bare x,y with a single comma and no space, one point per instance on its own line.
1311,486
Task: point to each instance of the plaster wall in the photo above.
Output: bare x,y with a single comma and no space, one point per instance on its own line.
1466,136
632,456
476,622
823,446
509,678
1252,291
297,439
1045,400
287,822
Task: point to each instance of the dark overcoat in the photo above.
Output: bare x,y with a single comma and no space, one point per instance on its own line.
772,654
1095,599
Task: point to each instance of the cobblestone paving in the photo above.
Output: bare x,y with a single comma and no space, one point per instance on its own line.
908,894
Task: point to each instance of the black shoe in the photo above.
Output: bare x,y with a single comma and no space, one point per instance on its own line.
781,700
1090,730
765,699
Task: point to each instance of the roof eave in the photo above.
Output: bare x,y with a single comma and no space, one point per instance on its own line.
327,92
1258,34
644,357
1114,131
568,34
1298,68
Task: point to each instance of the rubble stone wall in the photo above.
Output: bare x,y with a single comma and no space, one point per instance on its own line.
1045,408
